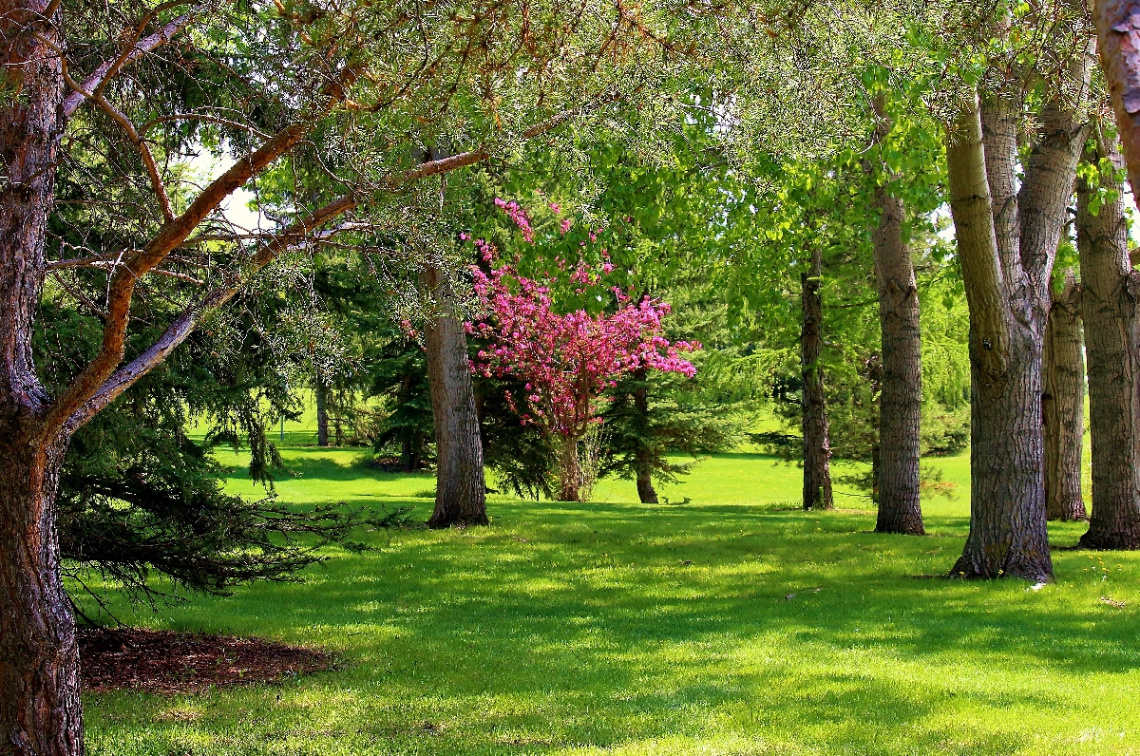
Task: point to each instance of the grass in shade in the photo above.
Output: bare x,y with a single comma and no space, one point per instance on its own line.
730,624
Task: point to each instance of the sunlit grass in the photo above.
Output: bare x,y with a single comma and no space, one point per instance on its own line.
731,624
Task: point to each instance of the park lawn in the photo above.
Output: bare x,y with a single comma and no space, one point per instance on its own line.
730,624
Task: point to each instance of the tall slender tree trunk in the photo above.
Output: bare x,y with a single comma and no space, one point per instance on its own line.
895,453
460,497
643,467
40,712
1063,405
1110,290
900,402
322,395
817,445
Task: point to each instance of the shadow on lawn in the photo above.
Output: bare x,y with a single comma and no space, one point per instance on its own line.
770,621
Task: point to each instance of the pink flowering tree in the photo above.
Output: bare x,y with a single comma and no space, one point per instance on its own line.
566,360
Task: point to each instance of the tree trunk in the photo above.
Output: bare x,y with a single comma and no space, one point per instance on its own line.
460,497
900,402
1110,288
1008,534
407,460
642,463
1007,513
1063,406
1117,30
322,393
569,470
40,712
817,445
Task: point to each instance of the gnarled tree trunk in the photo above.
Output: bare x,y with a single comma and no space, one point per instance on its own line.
1063,405
1110,288
900,401
460,497
817,445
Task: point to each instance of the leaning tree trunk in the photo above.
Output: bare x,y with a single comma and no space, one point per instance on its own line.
1063,406
817,445
322,395
460,497
900,401
1110,289
642,463
40,712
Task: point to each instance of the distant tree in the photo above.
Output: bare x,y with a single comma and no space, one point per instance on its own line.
566,360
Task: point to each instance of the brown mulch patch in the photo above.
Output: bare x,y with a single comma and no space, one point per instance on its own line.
170,662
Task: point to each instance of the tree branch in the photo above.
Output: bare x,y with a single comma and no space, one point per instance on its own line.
972,208
293,237
105,71
121,287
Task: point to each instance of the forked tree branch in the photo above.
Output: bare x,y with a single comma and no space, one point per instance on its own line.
140,262
104,73
972,208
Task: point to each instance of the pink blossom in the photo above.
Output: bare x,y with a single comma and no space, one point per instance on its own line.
566,360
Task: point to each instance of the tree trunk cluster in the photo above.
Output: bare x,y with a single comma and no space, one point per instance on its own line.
1007,232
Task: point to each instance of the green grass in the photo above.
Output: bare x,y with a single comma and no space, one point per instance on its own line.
732,624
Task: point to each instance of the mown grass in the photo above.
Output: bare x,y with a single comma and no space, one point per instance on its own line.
731,624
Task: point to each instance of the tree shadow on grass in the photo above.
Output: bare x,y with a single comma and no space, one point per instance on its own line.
605,625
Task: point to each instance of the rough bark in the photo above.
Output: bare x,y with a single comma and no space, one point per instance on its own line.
569,470
817,444
322,395
1008,534
460,497
40,712
900,401
1110,289
1063,405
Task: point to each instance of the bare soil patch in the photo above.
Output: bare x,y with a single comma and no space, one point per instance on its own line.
170,662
